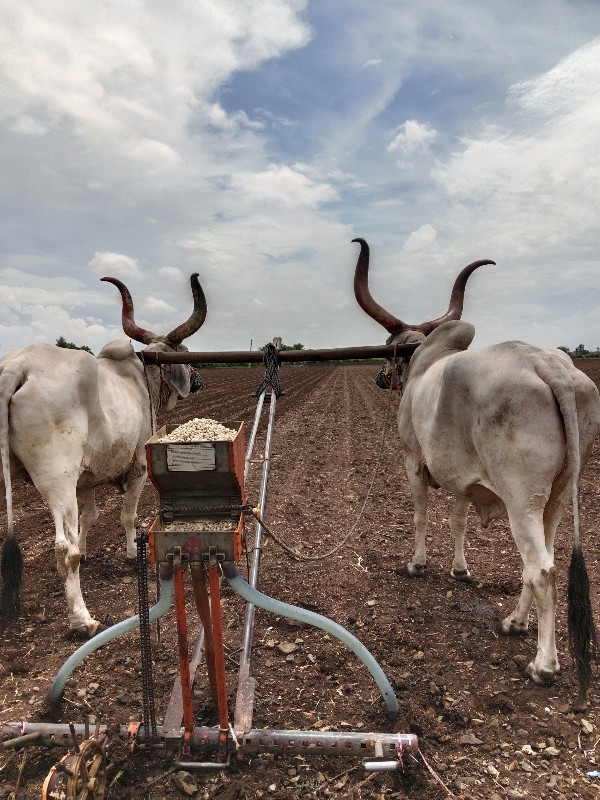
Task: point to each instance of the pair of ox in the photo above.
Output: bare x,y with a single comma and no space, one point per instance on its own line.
70,422
506,429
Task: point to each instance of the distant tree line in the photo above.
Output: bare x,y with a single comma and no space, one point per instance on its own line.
62,342
581,352
297,346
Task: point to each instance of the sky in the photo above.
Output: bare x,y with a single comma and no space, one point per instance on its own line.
251,140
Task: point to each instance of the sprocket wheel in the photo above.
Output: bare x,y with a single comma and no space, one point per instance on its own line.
78,776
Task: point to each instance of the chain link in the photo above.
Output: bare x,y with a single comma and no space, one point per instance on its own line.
145,641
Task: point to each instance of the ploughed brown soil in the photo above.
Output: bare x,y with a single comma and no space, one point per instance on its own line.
484,728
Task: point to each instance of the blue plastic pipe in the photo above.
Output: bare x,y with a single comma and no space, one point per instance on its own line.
243,588
126,625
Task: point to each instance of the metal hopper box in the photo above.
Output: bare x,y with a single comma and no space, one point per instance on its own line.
201,488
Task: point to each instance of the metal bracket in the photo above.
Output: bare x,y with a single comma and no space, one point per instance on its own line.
214,557
205,765
382,764
177,557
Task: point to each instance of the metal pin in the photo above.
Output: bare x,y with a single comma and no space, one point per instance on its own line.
74,735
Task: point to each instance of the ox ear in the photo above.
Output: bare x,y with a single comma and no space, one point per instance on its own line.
451,337
179,378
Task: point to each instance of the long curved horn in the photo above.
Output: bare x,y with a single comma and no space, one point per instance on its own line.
363,295
394,325
197,316
131,329
457,296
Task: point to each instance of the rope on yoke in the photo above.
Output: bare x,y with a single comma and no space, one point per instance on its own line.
271,362
196,382
391,378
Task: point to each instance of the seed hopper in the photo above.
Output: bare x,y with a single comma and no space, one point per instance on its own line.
198,536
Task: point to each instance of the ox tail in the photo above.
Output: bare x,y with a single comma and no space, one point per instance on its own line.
11,569
580,618
11,560
582,630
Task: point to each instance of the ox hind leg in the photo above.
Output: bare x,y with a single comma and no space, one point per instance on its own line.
129,513
63,504
539,584
458,526
88,515
417,479
517,622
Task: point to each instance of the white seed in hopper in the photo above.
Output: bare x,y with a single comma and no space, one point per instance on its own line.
200,430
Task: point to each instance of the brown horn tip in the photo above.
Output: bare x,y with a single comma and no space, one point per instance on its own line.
363,296
197,317
127,319
457,296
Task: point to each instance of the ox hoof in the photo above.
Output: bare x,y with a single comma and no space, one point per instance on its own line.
131,561
461,575
416,570
510,627
97,628
542,677
86,631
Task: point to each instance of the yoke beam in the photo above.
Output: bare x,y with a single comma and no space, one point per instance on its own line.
256,357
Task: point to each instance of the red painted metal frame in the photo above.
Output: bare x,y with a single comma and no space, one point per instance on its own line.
217,628
203,607
184,664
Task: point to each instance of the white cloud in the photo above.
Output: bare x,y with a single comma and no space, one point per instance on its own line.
190,134
533,184
130,78
154,305
157,156
171,274
115,265
28,125
567,87
372,62
281,184
411,137
421,239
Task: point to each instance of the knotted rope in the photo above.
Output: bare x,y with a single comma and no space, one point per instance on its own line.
271,362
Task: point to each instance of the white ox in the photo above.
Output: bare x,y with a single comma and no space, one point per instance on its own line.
70,422
506,428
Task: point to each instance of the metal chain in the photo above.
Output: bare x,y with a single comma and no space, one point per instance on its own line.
145,641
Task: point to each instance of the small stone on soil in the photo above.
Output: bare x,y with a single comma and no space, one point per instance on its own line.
287,647
186,783
470,738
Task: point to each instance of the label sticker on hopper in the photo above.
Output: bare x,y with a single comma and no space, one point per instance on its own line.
190,457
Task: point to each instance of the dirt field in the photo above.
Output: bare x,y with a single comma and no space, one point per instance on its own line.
485,729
